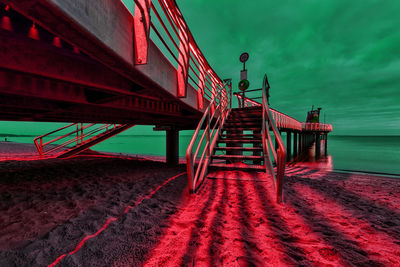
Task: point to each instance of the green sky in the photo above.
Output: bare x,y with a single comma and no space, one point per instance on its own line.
338,54
341,55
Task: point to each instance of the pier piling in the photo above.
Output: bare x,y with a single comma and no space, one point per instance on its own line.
172,147
288,145
317,145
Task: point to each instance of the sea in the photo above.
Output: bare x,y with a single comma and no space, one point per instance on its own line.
376,154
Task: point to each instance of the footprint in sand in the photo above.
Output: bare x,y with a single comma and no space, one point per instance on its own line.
329,254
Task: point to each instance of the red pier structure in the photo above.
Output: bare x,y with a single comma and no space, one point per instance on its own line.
98,66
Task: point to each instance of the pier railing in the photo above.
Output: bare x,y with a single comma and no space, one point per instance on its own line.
172,36
201,147
323,127
268,122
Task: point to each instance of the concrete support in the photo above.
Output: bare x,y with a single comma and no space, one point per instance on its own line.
317,145
173,147
288,146
295,145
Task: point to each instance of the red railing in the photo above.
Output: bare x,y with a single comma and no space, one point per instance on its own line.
68,136
278,153
174,39
197,161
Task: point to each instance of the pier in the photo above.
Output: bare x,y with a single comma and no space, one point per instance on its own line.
60,65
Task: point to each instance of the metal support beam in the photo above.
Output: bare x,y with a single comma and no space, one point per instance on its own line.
288,145
172,147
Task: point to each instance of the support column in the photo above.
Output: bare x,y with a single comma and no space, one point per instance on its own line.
326,144
276,141
172,147
317,145
295,144
300,140
288,146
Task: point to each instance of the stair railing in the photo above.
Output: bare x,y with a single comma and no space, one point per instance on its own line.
212,122
80,134
280,154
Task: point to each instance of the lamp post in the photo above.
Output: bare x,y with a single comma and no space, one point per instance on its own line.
244,83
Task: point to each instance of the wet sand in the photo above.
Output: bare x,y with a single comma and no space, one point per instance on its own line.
103,210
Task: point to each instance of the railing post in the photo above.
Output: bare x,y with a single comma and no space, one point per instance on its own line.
208,135
230,96
81,132
41,147
200,93
183,66
77,133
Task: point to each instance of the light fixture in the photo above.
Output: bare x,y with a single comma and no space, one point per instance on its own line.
33,32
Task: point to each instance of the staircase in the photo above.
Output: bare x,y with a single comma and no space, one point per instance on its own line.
237,143
75,138
239,146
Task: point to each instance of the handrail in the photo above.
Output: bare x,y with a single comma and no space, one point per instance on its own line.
212,122
79,136
172,31
280,155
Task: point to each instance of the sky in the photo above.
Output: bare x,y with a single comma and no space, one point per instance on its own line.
341,55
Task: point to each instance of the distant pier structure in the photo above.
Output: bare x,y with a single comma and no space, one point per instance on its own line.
314,131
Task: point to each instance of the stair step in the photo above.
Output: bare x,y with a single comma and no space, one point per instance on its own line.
239,136
245,114
243,124
237,166
243,140
253,175
242,128
242,157
243,119
230,148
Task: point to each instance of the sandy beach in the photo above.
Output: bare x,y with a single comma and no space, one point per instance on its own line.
105,210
